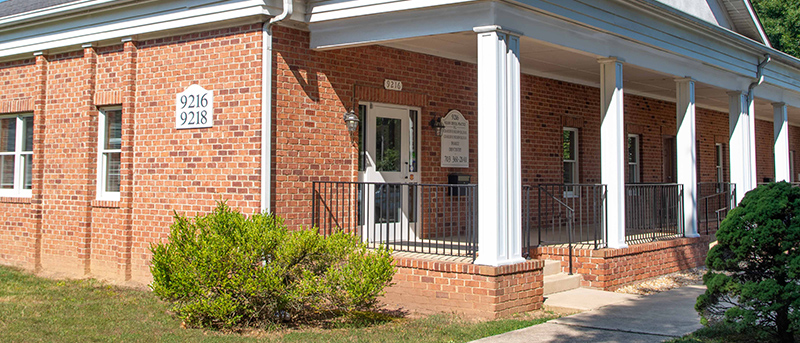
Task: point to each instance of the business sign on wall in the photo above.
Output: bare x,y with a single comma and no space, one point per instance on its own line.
194,108
455,140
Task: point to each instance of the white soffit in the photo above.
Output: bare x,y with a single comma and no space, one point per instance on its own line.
549,61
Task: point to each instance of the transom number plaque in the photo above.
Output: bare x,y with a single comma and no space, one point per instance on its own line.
393,85
194,108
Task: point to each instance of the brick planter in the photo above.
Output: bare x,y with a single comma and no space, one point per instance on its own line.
428,285
609,269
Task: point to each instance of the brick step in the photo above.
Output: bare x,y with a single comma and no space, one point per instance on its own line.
561,282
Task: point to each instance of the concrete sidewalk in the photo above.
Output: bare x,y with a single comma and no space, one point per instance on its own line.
653,318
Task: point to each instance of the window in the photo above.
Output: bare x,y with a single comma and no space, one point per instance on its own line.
634,165
718,151
570,155
16,155
109,151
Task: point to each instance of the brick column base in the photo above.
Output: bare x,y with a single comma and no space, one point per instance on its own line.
429,285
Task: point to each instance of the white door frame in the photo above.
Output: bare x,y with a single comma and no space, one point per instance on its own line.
405,227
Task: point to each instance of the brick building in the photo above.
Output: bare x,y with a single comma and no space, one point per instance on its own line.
608,132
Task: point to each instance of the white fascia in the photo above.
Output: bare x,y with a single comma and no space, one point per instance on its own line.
333,10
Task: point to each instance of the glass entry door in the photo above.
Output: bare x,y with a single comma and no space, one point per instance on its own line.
391,169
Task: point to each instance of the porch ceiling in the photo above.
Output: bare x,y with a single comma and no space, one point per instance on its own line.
555,62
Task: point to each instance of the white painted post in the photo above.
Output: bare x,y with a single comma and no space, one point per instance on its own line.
687,153
742,165
783,170
499,154
612,148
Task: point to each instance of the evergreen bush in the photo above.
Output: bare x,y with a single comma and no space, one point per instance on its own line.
227,270
753,281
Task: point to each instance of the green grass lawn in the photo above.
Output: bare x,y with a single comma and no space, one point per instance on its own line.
34,309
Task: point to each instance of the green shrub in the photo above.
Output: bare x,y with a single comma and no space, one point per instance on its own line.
225,270
754,271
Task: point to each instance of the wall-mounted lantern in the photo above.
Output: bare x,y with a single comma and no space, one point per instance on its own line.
351,120
437,125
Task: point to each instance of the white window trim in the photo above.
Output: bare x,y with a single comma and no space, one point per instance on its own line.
102,194
637,175
19,167
719,157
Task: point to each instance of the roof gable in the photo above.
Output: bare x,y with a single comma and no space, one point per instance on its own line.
735,15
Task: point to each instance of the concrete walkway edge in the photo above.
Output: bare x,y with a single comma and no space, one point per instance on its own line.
653,318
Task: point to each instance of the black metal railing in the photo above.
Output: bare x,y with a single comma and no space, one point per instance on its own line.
714,201
409,217
573,214
653,212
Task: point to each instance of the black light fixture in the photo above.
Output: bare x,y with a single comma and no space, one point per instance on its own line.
437,125
351,120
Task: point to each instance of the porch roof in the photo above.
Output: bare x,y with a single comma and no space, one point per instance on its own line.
564,40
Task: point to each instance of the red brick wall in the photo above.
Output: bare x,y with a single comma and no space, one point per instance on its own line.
609,269
794,145
62,229
478,291
168,170
765,157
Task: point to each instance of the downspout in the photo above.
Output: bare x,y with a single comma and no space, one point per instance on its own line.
266,105
759,77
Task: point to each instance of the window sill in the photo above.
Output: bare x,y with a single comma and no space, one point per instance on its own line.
105,203
15,200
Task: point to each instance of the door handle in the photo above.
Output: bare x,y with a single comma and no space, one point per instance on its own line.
405,171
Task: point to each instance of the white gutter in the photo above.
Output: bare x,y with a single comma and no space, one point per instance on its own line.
266,105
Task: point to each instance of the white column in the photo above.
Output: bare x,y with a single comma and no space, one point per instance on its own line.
781,130
742,158
687,153
499,154
612,148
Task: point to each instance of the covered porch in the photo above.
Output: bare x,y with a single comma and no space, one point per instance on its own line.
580,143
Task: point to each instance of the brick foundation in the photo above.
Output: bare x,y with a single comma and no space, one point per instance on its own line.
424,285
609,269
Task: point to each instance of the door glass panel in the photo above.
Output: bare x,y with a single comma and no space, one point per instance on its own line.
412,141
388,203
362,137
387,144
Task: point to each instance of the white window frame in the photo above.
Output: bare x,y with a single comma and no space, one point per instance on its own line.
719,160
636,175
102,193
570,191
18,190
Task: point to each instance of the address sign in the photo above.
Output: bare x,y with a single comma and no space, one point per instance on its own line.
194,108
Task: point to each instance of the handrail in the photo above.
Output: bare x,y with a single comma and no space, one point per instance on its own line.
570,220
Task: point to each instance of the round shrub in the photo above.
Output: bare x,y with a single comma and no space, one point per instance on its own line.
753,281
227,270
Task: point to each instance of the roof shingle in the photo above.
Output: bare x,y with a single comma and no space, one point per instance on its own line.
11,7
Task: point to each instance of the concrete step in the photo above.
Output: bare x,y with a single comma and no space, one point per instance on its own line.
584,299
561,282
551,267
